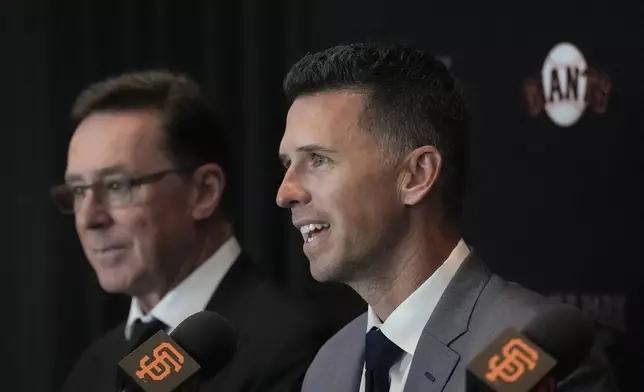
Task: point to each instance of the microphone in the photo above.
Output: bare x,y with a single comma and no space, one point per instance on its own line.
547,350
197,350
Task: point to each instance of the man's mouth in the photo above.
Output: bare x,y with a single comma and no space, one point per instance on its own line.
104,250
311,230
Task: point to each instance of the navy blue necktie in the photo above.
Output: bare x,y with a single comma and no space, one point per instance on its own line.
143,331
380,354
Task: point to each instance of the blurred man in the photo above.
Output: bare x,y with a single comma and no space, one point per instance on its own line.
375,148
145,181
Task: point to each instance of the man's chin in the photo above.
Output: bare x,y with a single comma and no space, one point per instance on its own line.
116,288
323,271
115,284
336,270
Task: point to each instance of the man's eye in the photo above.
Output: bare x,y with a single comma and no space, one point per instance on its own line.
115,186
77,190
318,160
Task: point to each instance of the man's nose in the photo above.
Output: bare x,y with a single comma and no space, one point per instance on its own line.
91,212
291,192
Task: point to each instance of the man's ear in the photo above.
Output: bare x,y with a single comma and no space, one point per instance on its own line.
419,174
209,183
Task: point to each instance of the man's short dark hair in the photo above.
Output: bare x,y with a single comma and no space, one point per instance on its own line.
411,100
193,134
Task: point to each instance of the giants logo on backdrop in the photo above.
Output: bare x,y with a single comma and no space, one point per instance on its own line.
566,87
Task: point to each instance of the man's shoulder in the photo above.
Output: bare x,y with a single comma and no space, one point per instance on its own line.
485,302
279,311
97,363
278,335
110,342
504,304
516,295
265,313
338,361
349,338
513,305
347,343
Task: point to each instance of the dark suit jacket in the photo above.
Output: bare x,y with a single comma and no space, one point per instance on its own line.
475,308
632,360
277,340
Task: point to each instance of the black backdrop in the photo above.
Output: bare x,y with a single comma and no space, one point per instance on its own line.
557,209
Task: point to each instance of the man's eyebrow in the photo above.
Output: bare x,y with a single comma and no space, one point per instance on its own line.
308,148
315,148
106,171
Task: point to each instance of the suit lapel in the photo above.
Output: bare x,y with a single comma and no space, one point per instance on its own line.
234,288
350,362
432,365
354,369
434,361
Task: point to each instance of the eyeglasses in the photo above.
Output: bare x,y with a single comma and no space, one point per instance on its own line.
112,192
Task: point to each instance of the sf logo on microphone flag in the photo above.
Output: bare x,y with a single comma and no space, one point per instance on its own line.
159,364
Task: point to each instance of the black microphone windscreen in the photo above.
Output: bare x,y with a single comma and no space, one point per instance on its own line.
209,339
565,334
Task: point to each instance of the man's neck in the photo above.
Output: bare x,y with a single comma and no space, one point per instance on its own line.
203,249
417,258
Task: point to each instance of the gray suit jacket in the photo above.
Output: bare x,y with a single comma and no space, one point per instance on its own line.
475,308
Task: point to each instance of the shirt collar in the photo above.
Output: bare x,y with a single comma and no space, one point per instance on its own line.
192,294
405,325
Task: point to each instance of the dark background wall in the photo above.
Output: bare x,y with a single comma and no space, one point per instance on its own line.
557,209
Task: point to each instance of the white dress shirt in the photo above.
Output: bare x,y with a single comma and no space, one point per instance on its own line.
405,325
192,294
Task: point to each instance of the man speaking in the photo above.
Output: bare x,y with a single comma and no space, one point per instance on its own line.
375,150
145,181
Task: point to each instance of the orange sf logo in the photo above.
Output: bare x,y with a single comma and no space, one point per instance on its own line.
166,359
517,355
